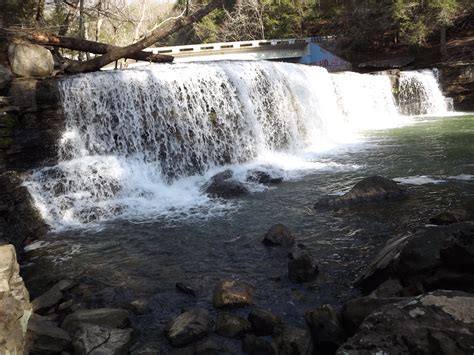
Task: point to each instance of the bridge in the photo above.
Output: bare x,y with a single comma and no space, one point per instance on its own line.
297,50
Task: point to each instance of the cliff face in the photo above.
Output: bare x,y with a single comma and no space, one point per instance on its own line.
31,121
457,80
15,306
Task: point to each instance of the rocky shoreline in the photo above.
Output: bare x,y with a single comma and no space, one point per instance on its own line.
418,297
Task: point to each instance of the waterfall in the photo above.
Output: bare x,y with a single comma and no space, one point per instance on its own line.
420,94
140,143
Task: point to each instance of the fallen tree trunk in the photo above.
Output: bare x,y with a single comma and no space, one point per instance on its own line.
84,45
166,30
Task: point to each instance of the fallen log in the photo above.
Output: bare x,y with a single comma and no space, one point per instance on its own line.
83,45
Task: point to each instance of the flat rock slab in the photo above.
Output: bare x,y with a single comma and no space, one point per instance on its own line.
95,340
188,327
105,317
441,322
231,293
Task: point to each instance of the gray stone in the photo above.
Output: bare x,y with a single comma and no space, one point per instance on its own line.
148,349
44,336
5,76
92,339
263,322
326,328
232,326
222,185
48,299
105,317
188,327
371,189
278,235
30,60
389,288
231,293
441,322
291,341
207,347
301,267
458,249
263,177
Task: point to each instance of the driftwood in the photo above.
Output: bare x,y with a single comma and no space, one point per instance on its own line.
83,45
160,33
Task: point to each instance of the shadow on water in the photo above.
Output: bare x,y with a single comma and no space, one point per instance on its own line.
126,261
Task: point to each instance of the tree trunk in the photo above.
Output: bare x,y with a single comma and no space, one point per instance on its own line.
166,30
83,45
443,42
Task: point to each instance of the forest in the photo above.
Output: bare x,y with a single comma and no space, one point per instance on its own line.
370,25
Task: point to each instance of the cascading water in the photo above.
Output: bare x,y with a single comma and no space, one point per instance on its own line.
139,143
419,94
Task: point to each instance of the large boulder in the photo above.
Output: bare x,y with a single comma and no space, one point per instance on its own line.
223,185
45,337
95,340
5,76
441,322
301,267
231,326
104,317
30,60
290,340
15,306
232,293
449,217
278,235
326,329
188,327
263,177
374,188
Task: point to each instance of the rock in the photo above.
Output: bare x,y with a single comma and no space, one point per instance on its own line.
263,177
456,81
326,329
48,299
15,306
187,289
301,267
222,185
148,349
188,327
45,336
278,235
139,306
374,188
207,347
389,288
392,63
417,259
355,311
449,217
257,346
64,285
62,307
232,326
30,60
441,322
231,293
5,76
291,340
96,340
263,322
104,317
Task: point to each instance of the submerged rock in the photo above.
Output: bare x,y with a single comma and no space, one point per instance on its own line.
232,326
93,339
374,188
222,185
188,327
231,293
187,289
326,329
15,307
278,235
263,322
263,177
441,322
449,217
257,346
301,267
